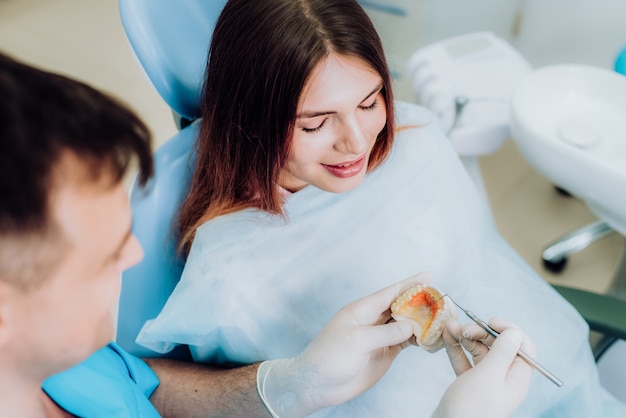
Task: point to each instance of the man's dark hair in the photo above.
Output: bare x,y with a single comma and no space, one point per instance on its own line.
43,116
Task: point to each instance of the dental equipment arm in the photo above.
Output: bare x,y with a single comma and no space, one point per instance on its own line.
499,379
351,353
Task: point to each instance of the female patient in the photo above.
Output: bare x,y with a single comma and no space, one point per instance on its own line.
313,188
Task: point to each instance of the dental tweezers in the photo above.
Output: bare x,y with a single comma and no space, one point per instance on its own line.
528,359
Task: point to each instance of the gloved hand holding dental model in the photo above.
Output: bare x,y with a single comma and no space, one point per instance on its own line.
351,353
499,380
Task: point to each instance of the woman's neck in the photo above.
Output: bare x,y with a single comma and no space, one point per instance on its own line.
284,192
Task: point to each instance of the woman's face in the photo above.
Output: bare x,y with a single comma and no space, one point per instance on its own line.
340,114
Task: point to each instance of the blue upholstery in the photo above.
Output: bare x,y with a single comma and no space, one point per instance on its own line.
383,6
620,62
171,40
146,286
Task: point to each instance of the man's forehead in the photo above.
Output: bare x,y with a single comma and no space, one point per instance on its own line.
90,211
82,171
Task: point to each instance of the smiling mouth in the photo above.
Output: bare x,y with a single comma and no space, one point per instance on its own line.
346,170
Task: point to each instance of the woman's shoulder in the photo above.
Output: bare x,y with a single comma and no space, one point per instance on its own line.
412,119
418,132
413,115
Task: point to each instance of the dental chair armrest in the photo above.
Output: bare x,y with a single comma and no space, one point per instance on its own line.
603,313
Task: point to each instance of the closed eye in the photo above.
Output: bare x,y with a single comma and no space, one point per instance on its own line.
316,129
371,107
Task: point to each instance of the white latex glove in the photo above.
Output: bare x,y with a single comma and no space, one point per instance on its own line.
351,353
499,380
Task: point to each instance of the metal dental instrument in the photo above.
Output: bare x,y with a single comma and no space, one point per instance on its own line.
459,106
532,362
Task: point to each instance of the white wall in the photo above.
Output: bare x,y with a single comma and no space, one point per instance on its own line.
572,31
544,31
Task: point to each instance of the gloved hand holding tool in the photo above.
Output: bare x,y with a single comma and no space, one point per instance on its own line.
499,379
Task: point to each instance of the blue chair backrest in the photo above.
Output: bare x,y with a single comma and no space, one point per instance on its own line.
146,286
170,40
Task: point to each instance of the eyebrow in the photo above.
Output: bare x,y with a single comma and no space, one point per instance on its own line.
314,114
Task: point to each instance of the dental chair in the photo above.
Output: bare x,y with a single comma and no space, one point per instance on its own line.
175,69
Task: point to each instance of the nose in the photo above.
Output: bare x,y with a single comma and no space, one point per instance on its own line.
353,139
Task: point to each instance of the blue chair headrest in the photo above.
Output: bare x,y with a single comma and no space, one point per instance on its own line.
171,40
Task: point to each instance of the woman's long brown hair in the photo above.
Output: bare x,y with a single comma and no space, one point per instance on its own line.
261,56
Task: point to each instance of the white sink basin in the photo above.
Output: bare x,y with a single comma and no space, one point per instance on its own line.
569,122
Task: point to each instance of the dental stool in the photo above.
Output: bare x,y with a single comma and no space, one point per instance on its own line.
149,26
